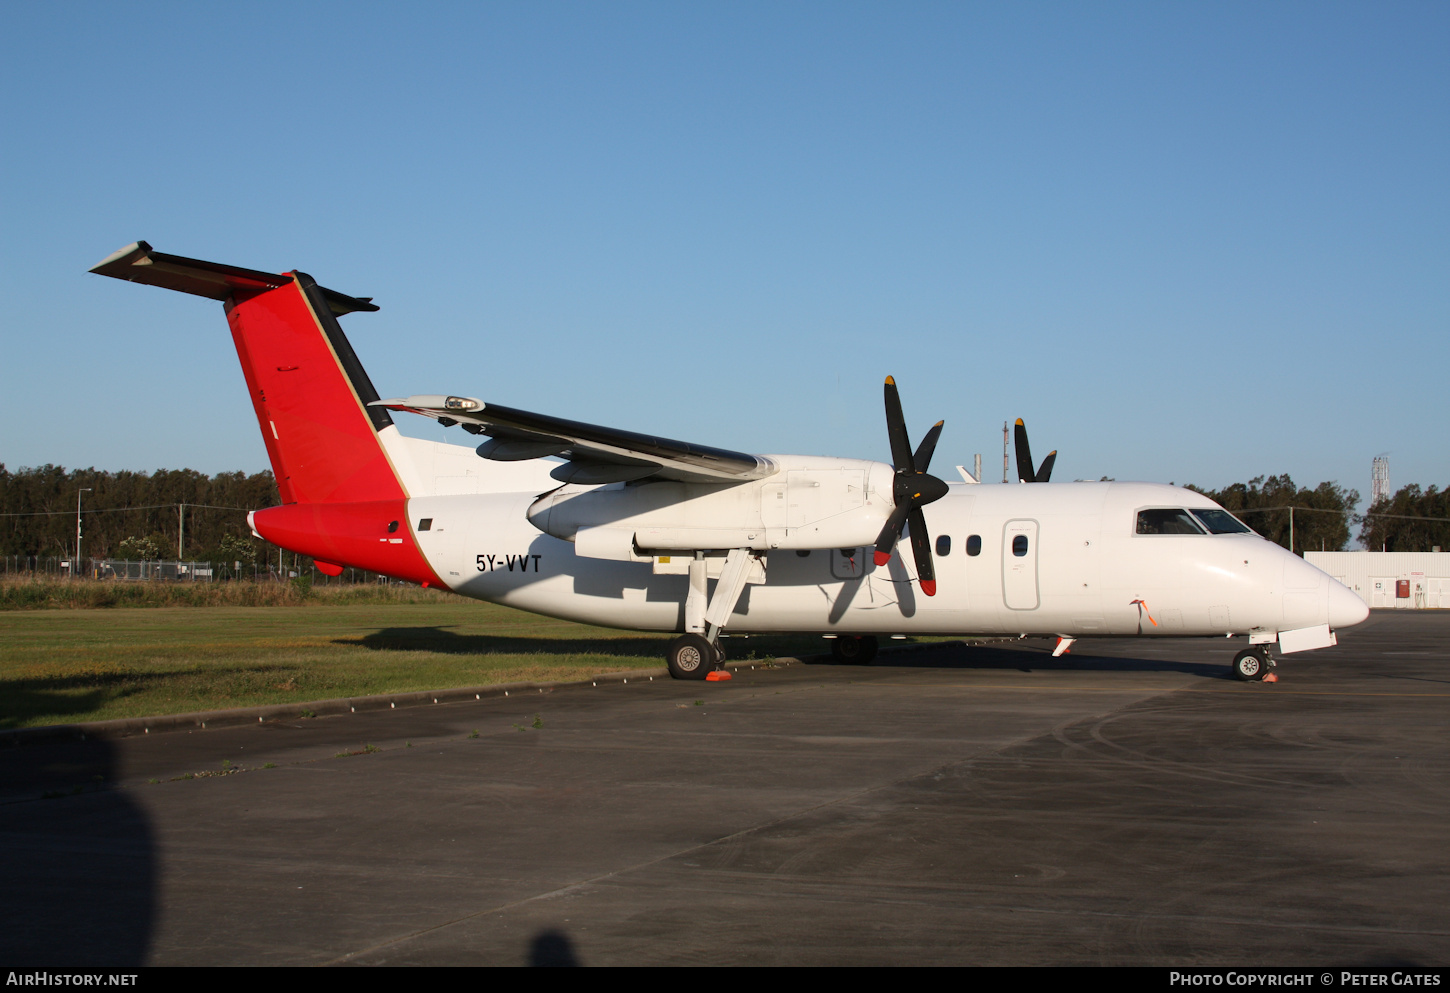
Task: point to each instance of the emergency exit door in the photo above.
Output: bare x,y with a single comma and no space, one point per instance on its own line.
1019,565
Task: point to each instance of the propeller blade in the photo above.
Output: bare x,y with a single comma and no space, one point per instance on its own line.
1025,472
911,489
1045,473
927,448
886,543
921,549
896,430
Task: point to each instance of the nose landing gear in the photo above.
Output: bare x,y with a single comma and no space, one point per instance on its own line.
1254,664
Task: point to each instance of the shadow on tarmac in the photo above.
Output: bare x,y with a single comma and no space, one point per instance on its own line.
942,655
87,896
1027,658
445,641
552,948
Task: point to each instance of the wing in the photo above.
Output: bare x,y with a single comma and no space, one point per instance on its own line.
595,454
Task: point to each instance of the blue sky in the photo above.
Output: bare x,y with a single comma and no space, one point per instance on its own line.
1185,242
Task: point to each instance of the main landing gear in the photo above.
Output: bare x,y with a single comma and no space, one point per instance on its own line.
1254,664
854,651
690,656
696,654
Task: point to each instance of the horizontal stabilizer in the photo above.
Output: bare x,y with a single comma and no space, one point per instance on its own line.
140,263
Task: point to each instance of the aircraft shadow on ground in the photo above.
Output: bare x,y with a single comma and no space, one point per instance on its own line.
808,648
442,640
1024,658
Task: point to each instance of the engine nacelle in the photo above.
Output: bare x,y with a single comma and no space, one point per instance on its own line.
809,503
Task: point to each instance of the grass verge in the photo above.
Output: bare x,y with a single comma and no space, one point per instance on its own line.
41,593
62,666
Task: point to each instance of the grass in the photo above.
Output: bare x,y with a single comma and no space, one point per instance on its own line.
43,593
87,664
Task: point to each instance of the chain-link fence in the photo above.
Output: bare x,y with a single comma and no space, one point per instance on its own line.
138,570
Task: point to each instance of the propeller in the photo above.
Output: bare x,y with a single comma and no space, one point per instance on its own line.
1025,472
912,489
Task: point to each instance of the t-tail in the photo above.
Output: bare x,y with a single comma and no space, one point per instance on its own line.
344,500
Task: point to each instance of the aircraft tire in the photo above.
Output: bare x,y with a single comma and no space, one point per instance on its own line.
1251,665
691,657
851,650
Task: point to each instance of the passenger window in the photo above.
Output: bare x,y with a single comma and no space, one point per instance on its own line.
1019,545
1167,522
974,545
944,544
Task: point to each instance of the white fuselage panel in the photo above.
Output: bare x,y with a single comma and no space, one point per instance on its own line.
1049,559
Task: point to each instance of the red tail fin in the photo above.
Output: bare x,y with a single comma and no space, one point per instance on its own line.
311,394
347,502
307,386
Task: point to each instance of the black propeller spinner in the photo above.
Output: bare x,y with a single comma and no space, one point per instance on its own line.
912,489
1025,472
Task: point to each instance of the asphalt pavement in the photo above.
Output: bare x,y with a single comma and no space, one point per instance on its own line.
1128,804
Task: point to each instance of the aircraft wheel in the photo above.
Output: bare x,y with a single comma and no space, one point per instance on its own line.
1251,665
691,657
854,651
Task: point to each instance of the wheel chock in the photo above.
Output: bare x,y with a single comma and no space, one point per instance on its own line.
1271,677
718,676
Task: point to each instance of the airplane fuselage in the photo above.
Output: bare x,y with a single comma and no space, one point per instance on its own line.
1047,559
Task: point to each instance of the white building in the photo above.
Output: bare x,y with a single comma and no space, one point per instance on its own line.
1406,580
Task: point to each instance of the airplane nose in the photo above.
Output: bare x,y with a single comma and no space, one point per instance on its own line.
1345,607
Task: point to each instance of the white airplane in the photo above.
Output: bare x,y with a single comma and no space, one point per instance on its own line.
629,530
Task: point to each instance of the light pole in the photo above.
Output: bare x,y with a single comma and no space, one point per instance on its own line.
77,569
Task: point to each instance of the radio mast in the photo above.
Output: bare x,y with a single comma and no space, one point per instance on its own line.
1379,479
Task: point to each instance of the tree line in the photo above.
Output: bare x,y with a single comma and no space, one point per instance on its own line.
133,514
1407,521
1323,517
1320,520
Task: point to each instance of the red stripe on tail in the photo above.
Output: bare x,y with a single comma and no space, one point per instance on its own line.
319,435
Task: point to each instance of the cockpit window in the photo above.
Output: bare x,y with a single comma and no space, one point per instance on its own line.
1167,522
1221,522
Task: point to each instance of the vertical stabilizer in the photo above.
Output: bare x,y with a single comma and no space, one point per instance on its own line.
310,394
345,500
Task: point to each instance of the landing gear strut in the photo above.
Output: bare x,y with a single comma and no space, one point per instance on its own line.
697,653
854,651
1252,664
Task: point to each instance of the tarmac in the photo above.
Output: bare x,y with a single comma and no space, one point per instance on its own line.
1128,804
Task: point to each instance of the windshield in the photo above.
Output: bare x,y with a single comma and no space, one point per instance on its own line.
1221,522
1173,521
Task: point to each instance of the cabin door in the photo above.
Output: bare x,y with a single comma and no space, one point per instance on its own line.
1019,565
